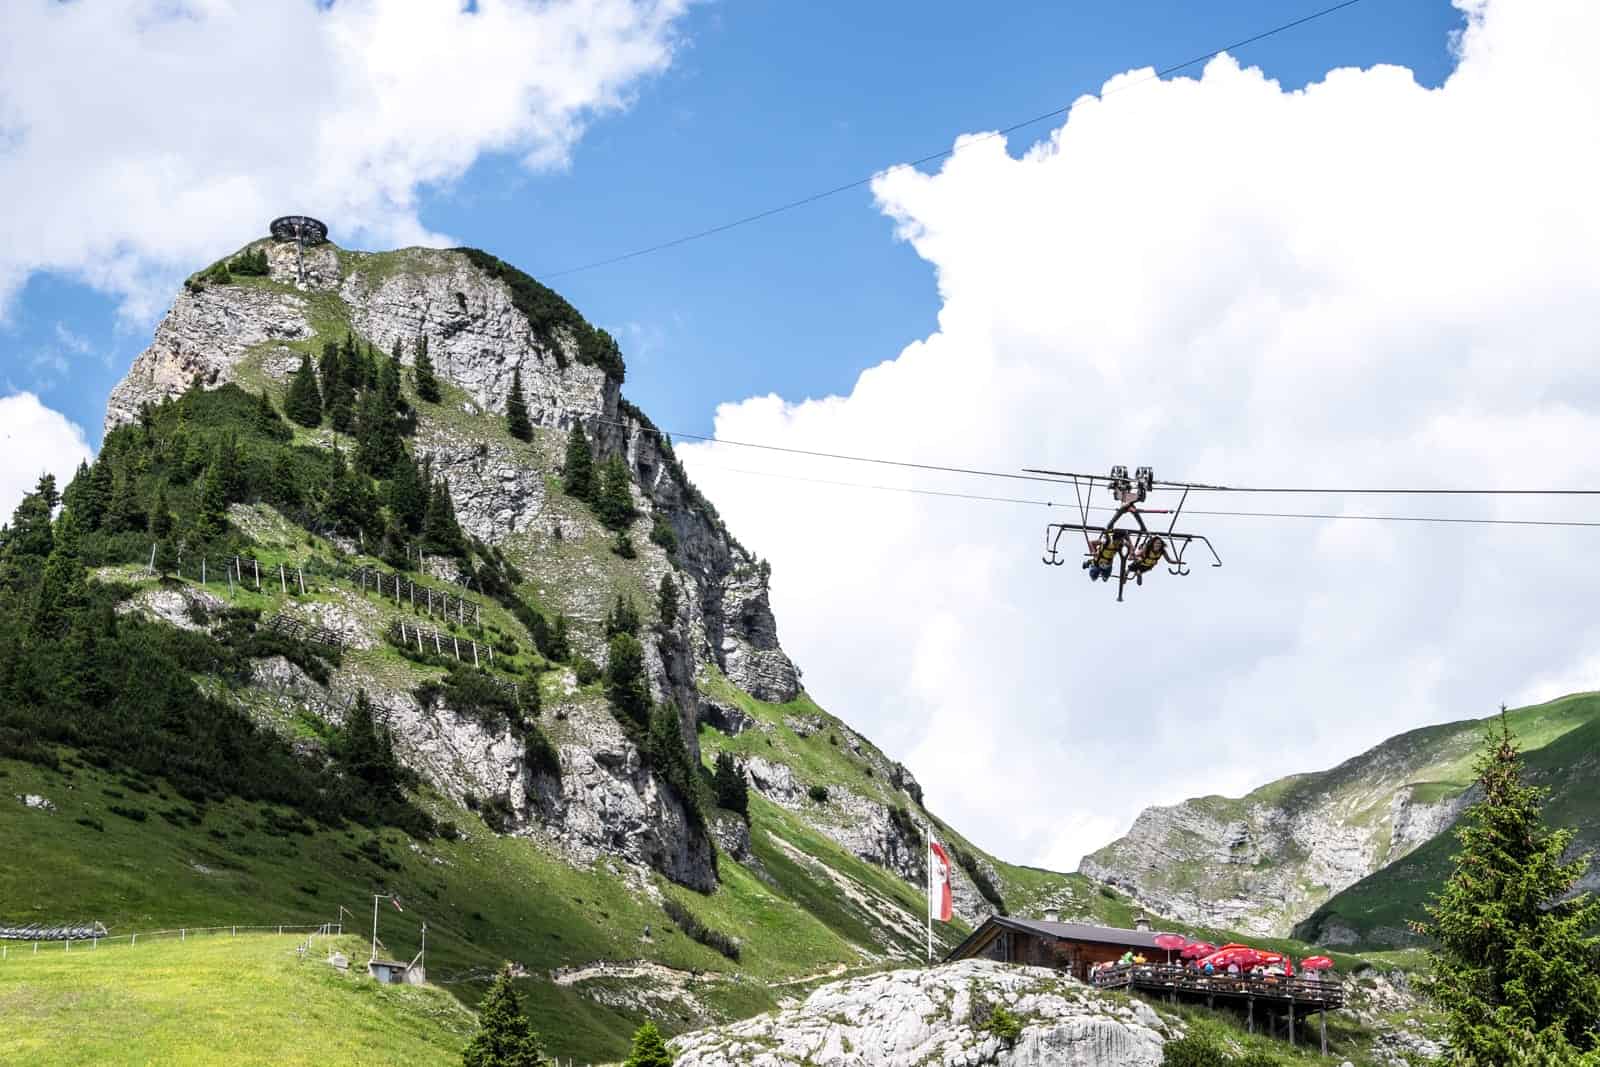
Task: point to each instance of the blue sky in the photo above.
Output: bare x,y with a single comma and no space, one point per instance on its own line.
764,102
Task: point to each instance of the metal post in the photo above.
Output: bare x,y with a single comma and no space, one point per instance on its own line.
457,643
283,583
375,897
474,653
256,565
301,574
202,570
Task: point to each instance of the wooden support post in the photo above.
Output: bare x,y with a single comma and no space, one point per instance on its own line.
474,653
1251,1016
230,583
1291,1022
1323,1018
430,603
411,587
300,573
202,570
457,643
491,654
256,564
419,639
283,583
436,649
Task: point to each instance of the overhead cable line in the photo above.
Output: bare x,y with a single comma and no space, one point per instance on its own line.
1057,477
1438,519
942,153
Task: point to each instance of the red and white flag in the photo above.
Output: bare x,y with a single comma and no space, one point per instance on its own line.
939,906
396,902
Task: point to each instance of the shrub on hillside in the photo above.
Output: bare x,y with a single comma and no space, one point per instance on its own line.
699,931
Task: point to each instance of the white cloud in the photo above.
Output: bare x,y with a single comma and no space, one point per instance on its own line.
35,440
139,137
1362,283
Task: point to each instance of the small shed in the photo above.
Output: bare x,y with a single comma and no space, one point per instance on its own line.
1071,947
394,972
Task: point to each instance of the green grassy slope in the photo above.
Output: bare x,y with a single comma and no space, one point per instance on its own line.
1425,766
1374,912
221,1000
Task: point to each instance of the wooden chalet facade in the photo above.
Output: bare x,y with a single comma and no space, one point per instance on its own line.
1072,947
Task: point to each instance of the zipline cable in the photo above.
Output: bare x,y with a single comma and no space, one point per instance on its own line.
949,494
1058,477
942,153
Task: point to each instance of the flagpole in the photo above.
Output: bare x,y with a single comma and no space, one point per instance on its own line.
928,832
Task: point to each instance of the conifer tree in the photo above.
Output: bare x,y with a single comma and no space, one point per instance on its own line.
427,382
649,1050
505,1038
304,400
667,601
96,499
378,443
440,531
123,512
625,681
615,505
623,618
268,424
80,497
577,473
406,493
1517,967
160,514
729,785
63,592
211,514
517,424
30,533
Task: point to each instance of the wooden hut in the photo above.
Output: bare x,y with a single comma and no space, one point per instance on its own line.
1064,946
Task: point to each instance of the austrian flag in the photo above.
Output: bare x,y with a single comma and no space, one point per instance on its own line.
938,883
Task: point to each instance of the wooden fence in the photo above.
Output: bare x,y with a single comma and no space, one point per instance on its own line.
305,631
410,635
422,598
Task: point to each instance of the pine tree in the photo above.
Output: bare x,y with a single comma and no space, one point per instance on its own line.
123,511
729,785
160,514
63,592
268,424
304,400
30,533
667,601
427,383
1517,967
440,531
517,424
625,681
623,618
577,474
83,497
615,506
338,397
378,444
406,493
505,1038
649,1050
211,515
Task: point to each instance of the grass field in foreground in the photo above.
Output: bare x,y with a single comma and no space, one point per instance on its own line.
220,1000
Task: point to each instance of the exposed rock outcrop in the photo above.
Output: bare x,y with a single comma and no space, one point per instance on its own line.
920,1018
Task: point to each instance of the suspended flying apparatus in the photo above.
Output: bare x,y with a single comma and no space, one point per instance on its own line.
1131,549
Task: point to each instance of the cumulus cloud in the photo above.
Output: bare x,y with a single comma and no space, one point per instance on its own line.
1364,282
138,137
36,440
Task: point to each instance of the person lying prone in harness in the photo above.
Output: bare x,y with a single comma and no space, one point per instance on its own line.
1149,554
1104,552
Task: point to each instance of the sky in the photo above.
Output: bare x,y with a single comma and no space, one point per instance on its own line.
1360,253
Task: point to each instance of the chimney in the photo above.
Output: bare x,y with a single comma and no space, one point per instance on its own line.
1051,915
1141,922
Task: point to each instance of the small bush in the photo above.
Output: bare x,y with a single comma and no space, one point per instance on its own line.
1194,1051
136,814
93,824
1004,1024
586,670
818,793
662,533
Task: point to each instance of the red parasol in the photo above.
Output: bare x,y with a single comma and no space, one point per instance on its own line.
1170,942
1195,949
1316,963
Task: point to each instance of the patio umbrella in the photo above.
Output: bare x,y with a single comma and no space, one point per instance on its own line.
1316,963
1245,956
1195,949
1170,942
